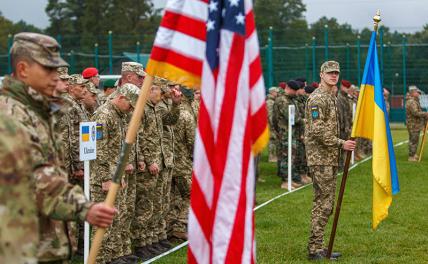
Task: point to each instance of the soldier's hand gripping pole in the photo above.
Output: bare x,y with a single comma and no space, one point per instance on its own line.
116,180
421,152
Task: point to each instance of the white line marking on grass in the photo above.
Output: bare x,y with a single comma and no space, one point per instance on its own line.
263,205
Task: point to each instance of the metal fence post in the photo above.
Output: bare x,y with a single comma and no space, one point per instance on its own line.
72,62
270,58
307,61
59,40
359,59
96,59
326,42
348,61
381,55
110,52
314,60
138,50
9,59
404,69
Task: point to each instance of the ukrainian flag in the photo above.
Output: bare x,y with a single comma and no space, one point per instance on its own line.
371,122
85,133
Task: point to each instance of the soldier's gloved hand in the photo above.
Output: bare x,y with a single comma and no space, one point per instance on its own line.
141,166
349,145
176,96
106,186
129,169
100,215
154,169
78,174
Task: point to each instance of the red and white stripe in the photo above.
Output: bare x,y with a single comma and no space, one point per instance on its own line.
232,117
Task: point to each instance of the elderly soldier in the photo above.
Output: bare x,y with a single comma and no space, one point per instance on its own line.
153,184
273,93
20,227
280,127
415,120
111,129
301,163
184,138
91,74
344,108
322,151
26,96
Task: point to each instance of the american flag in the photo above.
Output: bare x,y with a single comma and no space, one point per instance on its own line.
216,43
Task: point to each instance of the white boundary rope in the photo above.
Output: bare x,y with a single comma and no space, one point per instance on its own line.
263,205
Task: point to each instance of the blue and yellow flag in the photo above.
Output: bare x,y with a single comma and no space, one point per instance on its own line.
371,122
85,133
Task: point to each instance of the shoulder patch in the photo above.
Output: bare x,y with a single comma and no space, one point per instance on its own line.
315,112
100,134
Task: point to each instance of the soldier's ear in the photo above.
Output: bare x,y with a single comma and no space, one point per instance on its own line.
22,69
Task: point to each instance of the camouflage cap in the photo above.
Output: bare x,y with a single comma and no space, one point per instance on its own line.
414,88
63,73
91,87
130,91
131,66
274,89
330,66
41,48
77,79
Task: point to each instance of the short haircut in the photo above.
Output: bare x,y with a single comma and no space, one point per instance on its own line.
20,54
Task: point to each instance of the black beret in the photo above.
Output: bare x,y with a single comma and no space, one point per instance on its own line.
293,85
309,89
301,84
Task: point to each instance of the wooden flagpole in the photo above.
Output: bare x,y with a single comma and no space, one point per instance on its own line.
131,135
421,151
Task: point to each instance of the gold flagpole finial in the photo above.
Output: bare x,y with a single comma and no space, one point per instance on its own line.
376,20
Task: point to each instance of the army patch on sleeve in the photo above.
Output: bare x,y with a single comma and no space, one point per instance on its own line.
315,112
100,133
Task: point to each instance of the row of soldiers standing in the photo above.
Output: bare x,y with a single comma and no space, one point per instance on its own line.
296,92
48,105
154,198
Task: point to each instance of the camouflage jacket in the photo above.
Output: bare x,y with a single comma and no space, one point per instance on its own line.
195,107
20,226
415,117
57,200
280,115
155,134
344,108
70,135
184,139
269,105
322,129
300,102
111,125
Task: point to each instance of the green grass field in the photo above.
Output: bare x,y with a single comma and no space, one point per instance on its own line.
282,227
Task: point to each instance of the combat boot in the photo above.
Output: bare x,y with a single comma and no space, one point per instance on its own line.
284,185
165,243
143,253
130,259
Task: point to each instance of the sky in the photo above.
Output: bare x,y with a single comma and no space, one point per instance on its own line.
401,15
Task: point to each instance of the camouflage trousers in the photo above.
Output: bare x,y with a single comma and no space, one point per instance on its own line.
324,178
364,147
180,200
413,142
152,206
127,215
272,149
112,244
282,152
301,164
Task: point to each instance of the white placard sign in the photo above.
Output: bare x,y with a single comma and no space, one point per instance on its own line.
88,141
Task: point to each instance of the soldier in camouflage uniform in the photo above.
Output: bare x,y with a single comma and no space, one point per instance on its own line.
415,120
27,95
301,163
273,93
280,127
344,108
322,151
153,185
196,102
109,88
111,129
19,226
89,101
184,138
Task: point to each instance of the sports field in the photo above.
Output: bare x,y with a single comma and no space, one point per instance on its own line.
282,227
